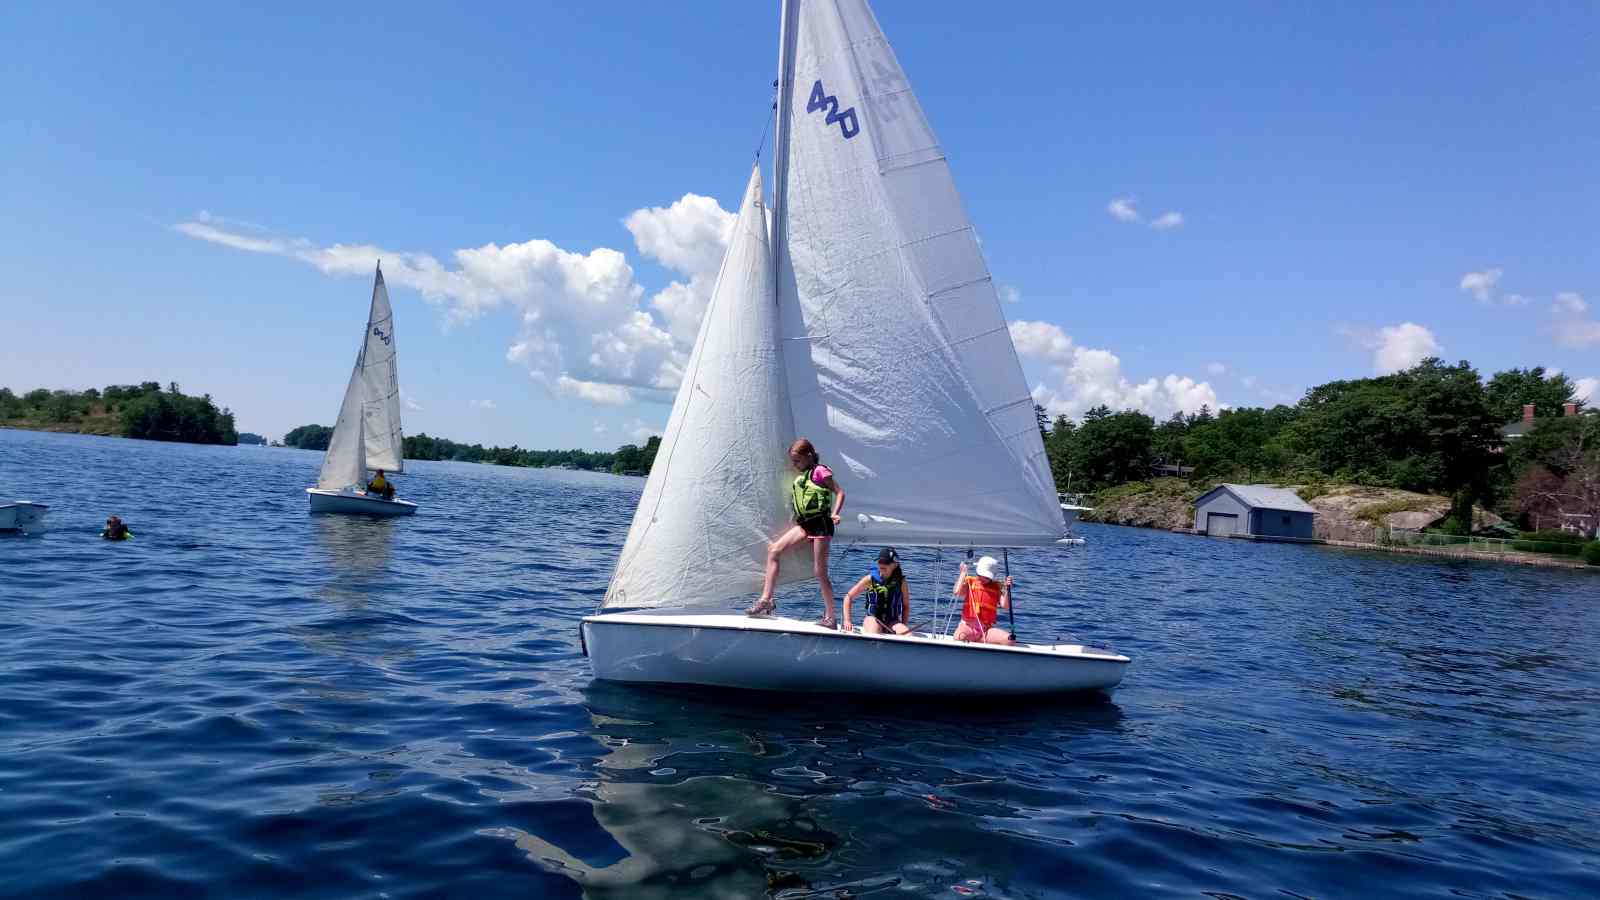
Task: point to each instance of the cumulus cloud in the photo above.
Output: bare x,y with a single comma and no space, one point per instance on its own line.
1395,347
688,237
410,403
1587,391
600,427
1481,285
1123,209
1010,294
1573,326
1167,221
1084,377
639,431
1216,368
580,328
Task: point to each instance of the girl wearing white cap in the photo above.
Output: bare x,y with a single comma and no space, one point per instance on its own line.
986,596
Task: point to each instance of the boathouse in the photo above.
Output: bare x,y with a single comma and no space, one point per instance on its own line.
1253,510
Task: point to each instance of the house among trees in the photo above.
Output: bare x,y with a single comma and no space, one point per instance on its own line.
1514,430
1253,510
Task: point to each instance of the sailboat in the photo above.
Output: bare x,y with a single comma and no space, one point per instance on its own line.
367,435
865,320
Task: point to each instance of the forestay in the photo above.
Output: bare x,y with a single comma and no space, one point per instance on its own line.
899,364
718,491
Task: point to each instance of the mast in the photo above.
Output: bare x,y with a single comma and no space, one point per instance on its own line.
780,156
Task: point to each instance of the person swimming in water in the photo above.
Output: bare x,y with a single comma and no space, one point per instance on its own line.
116,530
816,500
888,602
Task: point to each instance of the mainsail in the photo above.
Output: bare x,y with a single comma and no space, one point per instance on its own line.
899,363
367,435
717,493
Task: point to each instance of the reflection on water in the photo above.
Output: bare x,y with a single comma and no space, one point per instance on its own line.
355,551
737,795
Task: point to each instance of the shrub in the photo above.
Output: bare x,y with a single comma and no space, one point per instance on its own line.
1553,536
1557,548
1591,553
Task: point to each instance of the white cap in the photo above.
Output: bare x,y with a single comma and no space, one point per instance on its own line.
986,568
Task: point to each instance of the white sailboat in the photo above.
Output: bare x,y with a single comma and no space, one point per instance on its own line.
367,435
22,515
866,321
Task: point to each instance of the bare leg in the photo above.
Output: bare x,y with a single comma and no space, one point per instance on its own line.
788,539
819,556
965,632
870,625
998,636
901,628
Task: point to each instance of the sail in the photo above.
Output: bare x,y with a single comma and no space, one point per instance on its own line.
718,491
384,446
899,363
343,465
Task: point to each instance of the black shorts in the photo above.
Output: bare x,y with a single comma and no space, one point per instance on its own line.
816,526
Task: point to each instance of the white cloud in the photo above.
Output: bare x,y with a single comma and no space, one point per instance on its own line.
579,326
1123,210
1010,294
639,431
1516,300
1248,381
1216,368
1397,347
1083,377
1573,328
1167,221
1481,284
600,427
1570,303
483,404
689,237
410,402
1588,391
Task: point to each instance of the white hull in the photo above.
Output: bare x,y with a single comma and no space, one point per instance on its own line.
360,504
779,654
22,515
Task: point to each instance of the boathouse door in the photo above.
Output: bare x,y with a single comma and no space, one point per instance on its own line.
1222,524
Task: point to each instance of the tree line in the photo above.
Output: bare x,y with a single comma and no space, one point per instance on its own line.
1434,428
133,410
629,458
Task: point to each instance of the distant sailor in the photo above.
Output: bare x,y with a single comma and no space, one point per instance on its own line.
888,602
381,486
816,500
985,596
116,530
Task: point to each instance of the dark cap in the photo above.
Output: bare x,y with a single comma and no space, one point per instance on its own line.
887,555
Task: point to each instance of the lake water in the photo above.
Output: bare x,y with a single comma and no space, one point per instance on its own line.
247,700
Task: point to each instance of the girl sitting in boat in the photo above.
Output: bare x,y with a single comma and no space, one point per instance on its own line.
817,500
888,602
985,596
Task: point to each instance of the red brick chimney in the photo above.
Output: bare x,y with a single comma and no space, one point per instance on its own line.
1571,409
1527,413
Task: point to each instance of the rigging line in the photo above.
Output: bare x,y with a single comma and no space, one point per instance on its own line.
771,115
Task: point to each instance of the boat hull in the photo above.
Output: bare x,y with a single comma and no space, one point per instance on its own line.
23,516
353,503
777,654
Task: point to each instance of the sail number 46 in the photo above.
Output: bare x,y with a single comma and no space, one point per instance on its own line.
848,126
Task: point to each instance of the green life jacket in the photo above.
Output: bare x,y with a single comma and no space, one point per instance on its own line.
809,498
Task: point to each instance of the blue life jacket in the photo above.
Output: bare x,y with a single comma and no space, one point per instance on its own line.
886,602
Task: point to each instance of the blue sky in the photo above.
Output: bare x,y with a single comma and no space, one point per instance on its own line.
194,194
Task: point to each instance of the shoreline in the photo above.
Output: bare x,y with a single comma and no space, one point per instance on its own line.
1511,557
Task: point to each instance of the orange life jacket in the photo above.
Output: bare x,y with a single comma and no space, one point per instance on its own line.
983,602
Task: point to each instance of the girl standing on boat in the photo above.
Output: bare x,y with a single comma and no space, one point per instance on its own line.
817,500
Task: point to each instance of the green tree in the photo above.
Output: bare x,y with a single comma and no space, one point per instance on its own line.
1058,450
1112,448
309,437
1507,392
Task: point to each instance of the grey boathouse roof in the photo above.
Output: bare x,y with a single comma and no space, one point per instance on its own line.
1261,496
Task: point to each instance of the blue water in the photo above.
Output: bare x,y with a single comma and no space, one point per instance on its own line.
247,701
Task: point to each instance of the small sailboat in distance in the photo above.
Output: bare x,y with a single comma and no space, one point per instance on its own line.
865,320
367,435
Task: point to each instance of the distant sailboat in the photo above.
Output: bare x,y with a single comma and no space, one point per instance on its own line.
866,320
367,435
